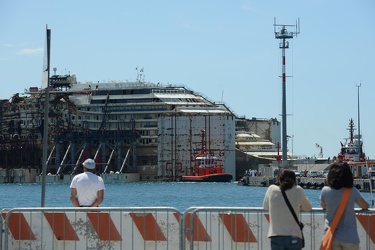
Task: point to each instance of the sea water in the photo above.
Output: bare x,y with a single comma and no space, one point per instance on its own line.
180,195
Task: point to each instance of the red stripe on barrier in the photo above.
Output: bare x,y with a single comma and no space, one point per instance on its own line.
104,226
267,217
238,228
368,224
61,226
199,232
177,216
19,228
148,227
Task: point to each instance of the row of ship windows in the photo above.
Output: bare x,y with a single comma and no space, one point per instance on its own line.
256,147
142,91
113,126
93,126
120,118
95,142
145,100
120,101
21,107
123,118
31,122
181,91
103,101
137,91
125,109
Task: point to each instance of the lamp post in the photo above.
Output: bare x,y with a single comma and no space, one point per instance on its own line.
291,137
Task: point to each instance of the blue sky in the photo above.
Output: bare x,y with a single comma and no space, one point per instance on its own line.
224,49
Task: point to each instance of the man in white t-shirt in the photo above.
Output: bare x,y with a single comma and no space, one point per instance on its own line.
87,189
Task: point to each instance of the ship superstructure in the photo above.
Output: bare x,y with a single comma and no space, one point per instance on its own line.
115,122
255,145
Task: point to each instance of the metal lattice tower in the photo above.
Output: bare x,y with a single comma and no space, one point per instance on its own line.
282,33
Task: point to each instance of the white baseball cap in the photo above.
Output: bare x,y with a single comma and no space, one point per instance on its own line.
89,163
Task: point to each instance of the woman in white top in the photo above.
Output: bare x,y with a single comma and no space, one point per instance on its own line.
284,231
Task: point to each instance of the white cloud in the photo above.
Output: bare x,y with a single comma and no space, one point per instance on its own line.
8,45
31,52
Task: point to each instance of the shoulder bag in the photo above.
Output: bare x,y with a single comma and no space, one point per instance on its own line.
300,224
328,236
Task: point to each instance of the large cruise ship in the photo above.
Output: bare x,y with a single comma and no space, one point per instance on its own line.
121,124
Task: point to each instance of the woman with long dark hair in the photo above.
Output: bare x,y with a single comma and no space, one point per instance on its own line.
340,177
284,232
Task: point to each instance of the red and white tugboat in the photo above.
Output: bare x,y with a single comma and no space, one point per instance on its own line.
352,152
206,167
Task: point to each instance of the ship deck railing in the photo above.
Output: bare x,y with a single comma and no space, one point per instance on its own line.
159,228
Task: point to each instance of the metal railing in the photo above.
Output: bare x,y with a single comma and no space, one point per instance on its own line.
158,228
91,228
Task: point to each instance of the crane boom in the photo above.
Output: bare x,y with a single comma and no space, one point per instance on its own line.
321,150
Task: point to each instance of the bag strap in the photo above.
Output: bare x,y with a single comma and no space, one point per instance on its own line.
291,209
340,209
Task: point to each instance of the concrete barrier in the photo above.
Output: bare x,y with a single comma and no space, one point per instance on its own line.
18,175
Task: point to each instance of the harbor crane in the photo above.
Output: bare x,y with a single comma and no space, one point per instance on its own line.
321,150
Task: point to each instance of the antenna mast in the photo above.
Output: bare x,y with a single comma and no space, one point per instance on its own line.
283,35
359,141
140,74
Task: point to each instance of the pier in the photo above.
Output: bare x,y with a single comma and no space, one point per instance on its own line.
363,185
30,176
